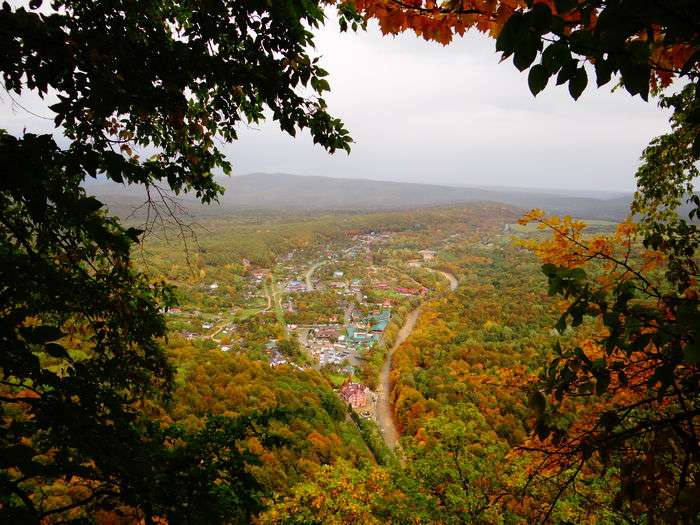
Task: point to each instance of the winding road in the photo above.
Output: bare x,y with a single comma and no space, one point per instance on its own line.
451,278
309,274
385,415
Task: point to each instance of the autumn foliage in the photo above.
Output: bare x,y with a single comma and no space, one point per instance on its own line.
633,386
647,43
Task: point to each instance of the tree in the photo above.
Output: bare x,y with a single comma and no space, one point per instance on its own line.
453,458
80,327
627,401
635,389
343,493
647,43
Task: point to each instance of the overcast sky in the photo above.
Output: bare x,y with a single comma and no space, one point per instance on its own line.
420,112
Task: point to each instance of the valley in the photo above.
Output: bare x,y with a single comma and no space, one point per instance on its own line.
331,305
304,262
385,337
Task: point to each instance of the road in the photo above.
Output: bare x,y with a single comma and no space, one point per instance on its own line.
347,314
448,276
310,273
277,292
268,296
217,330
451,278
385,414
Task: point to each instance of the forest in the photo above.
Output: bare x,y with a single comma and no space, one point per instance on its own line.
457,360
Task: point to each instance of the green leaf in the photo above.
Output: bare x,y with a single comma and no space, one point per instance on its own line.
580,354
555,56
557,25
88,205
561,324
538,402
603,72
578,82
557,349
510,34
568,70
663,374
556,285
526,52
586,450
609,419
576,274
56,350
42,334
541,17
134,234
636,77
549,269
542,429
696,146
537,78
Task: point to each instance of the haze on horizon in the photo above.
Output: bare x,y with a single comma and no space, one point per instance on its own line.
454,115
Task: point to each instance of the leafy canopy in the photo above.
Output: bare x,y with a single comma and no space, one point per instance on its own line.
627,401
647,43
143,91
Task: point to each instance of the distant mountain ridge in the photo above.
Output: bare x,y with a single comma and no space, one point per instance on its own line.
281,191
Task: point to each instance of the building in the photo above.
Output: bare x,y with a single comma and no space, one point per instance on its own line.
277,359
383,315
361,336
260,273
296,286
411,291
379,321
338,274
355,394
379,326
357,316
327,333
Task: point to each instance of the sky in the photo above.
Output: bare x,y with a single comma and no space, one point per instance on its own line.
421,112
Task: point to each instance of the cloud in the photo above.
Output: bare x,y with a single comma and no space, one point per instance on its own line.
421,112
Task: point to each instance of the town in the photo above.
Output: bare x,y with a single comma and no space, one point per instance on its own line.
327,309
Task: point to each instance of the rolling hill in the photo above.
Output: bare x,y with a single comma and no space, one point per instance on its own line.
279,191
